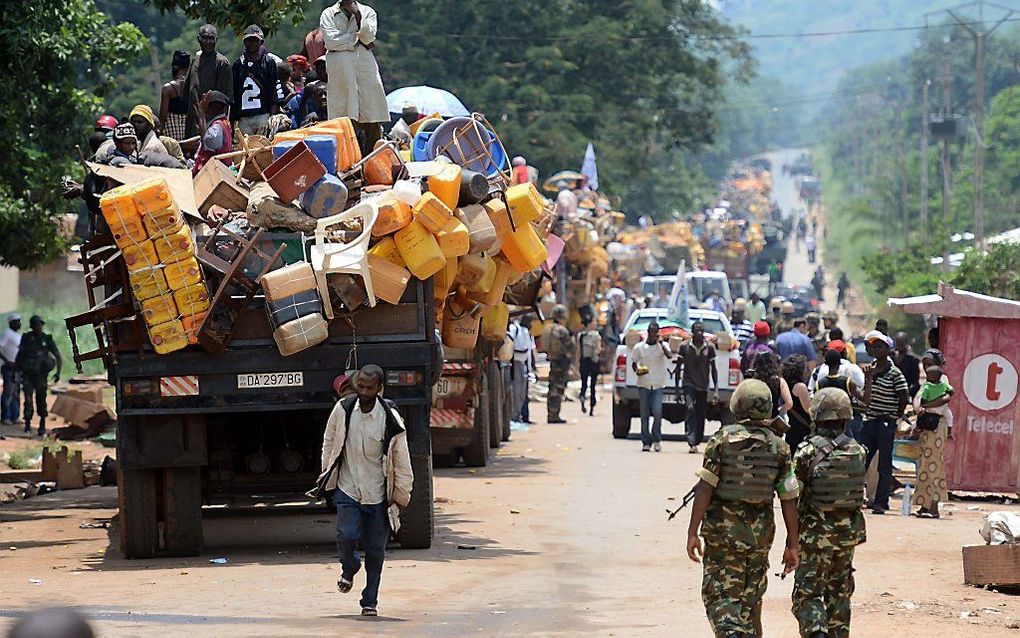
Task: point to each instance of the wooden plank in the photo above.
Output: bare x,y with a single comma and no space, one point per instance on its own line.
18,476
991,564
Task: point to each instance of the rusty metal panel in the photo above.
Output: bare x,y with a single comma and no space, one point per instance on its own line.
981,359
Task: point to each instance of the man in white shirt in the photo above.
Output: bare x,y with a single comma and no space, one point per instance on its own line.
649,359
523,365
367,467
10,409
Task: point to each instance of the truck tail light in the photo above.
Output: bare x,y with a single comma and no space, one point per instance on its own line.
734,377
403,378
621,368
139,387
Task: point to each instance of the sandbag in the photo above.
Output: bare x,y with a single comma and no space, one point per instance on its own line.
267,210
288,281
301,334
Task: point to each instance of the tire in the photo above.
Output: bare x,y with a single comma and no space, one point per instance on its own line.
621,421
139,530
494,400
508,410
444,460
182,511
476,453
418,518
173,493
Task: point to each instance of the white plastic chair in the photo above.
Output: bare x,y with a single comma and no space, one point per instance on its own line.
329,257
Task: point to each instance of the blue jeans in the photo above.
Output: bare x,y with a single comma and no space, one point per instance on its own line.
877,437
651,405
10,406
370,524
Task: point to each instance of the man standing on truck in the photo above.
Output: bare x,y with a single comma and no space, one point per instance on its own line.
559,347
258,92
697,362
589,345
366,458
37,355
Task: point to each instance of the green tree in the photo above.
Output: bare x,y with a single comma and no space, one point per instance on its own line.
65,50
237,14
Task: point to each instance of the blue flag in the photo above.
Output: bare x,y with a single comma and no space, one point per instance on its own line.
589,169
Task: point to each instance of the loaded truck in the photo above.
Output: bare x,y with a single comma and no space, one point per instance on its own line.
245,426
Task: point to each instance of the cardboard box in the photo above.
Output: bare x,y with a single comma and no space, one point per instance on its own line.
991,565
217,185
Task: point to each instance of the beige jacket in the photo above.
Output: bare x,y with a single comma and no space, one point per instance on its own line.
396,461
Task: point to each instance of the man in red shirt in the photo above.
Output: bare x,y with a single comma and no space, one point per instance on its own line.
217,135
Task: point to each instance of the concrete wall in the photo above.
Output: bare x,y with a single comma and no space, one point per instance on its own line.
8,290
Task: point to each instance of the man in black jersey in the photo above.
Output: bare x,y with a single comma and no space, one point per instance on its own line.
258,92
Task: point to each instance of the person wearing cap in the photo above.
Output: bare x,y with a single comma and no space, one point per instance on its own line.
559,348
519,172
762,332
885,399
299,68
124,147
209,71
830,468
10,409
835,333
217,135
144,121
349,30
786,310
37,355
755,308
742,328
258,92
173,98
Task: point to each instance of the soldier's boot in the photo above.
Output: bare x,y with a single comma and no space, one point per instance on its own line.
819,634
42,426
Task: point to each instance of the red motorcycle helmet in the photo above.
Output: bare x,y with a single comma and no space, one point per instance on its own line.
106,122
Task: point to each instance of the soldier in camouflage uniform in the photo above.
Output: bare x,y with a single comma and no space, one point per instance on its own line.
559,347
744,464
786,319
830,467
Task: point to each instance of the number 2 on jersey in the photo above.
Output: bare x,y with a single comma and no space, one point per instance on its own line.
251,97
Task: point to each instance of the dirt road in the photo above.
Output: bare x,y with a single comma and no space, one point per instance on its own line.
564,534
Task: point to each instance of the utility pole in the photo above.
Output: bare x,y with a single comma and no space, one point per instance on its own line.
946,108
923,196
901,153
977,31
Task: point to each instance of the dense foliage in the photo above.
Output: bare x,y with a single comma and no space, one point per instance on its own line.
53,50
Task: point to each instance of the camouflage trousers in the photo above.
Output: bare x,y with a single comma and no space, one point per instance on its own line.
559,373
732,589
821,590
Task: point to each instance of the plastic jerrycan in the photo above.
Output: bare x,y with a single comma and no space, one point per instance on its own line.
523,249
122,216
167,337
420,250
446,185
148,283
454,238
394,214
460,325
153,195
495,322
432,212
495,293
387,249
174,246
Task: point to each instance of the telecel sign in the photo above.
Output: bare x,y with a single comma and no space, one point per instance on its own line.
990,384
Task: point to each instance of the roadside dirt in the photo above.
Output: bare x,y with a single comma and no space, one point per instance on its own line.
564,534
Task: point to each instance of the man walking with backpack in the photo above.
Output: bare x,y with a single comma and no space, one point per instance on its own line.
559,348
367,471
589,345
830,467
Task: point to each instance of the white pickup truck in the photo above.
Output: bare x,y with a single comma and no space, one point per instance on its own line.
625,391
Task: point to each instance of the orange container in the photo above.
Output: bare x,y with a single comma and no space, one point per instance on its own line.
159,310
388,279
442,281
183,273
420,250
387,249
454,238
495,322
140,255
175,246
191,324
383,166
471,269
192,299
294,172
393,215
122,216
497,212
495,293
432,212
153,195
148,283
460,326
523,249
526,204
167,337
446,185
163,222
347,149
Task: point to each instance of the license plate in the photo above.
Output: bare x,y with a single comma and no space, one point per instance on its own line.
270,380
449,387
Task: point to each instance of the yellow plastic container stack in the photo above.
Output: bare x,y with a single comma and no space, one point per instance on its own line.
175,246
420,250
192,299
446,185
163,222
148,283
152,196
122,216
525,202
432,212
495,322
159,310
523,249
140,255
454,238
167,337
181,274
387,249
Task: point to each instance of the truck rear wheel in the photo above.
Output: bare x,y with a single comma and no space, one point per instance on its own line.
476,453
621,421
494,399
171,496
417,519
508,410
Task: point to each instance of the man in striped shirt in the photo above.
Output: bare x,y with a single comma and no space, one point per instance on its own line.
885,398
742,328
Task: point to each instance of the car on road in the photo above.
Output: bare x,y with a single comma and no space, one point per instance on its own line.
727,364
803,298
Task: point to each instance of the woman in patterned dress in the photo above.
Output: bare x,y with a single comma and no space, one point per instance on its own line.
931,465
173,103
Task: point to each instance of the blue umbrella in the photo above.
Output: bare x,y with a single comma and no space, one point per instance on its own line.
428,100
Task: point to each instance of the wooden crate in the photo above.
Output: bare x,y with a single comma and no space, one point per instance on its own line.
991,564
217,184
